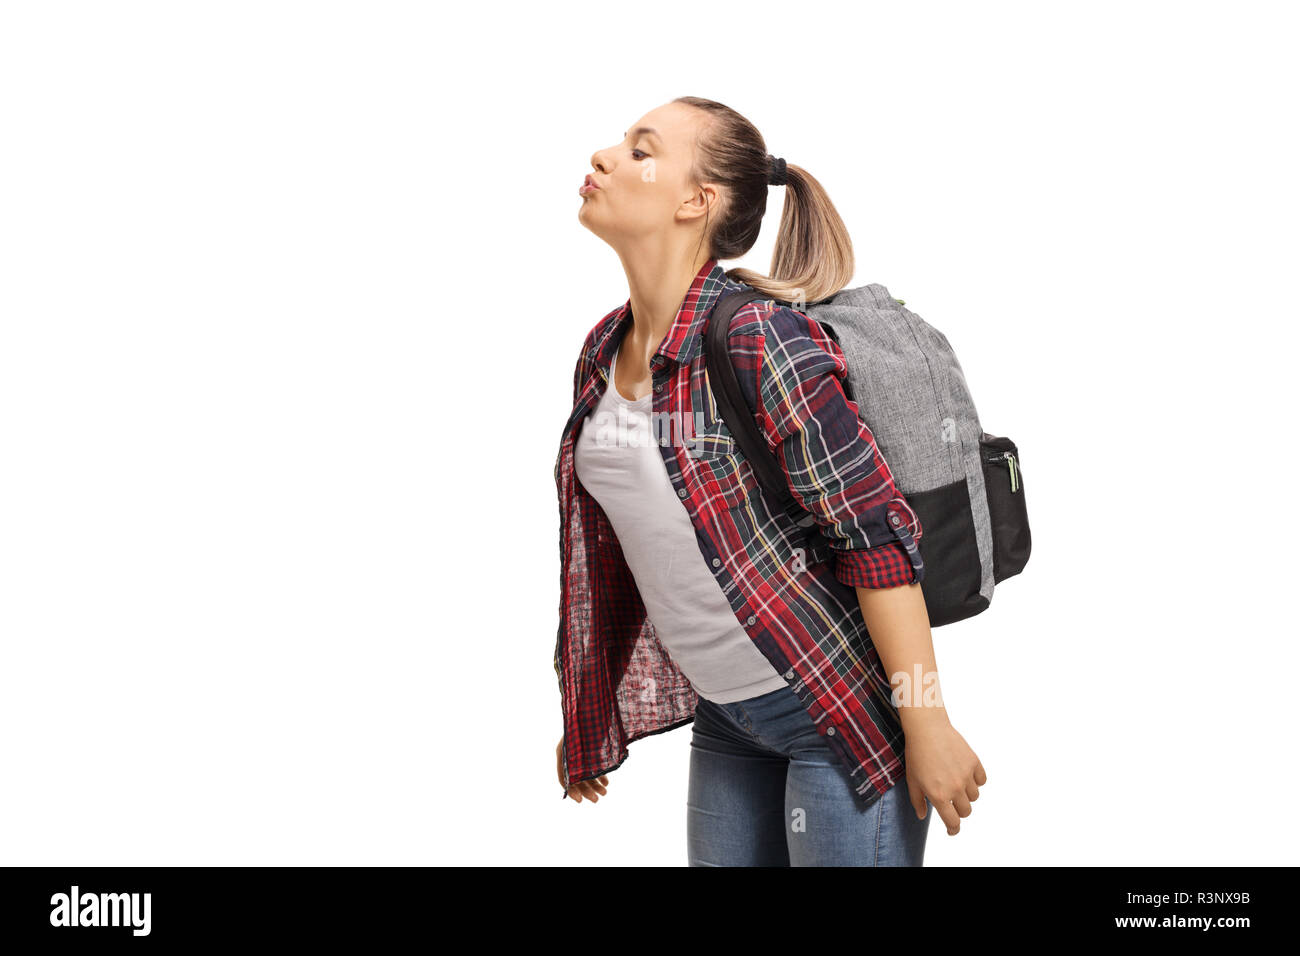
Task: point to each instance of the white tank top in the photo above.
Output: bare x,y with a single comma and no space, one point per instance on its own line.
617,459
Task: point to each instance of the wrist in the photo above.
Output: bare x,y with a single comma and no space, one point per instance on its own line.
923,715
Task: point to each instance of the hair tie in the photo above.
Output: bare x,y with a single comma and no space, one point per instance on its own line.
776,175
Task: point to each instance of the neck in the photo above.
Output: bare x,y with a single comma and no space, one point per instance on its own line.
658,280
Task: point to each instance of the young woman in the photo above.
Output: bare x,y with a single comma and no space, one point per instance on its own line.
686,597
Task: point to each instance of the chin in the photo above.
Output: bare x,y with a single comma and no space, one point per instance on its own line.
587,223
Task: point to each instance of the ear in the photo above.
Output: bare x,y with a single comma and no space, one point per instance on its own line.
706,198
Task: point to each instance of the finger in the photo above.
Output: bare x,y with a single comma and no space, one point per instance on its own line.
917,799
972,791
961,804
981,777
949,816
591,788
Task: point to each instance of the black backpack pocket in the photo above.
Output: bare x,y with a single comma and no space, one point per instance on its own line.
1004,484
951,553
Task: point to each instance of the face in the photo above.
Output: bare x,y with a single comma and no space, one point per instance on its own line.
643,186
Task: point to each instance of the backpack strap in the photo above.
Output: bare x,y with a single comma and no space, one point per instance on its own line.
735,410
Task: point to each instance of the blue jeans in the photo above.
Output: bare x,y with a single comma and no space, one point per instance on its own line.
765,789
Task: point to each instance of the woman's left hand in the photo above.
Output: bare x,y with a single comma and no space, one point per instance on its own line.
941,766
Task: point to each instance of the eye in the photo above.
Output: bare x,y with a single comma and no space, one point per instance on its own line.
636,156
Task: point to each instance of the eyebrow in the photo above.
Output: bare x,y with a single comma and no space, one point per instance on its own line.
648,131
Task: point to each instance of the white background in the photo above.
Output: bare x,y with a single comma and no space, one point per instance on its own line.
291,297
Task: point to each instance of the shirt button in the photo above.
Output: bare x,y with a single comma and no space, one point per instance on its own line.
751,619
829,731
659,387
894,518
717,562
789,674
681,492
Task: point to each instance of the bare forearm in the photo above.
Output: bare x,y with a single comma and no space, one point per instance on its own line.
899,626
941,766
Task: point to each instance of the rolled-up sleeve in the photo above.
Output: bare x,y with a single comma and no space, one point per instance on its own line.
832,464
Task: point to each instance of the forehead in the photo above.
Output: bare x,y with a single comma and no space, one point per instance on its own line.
676,125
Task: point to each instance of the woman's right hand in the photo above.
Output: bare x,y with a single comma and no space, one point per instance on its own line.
593,790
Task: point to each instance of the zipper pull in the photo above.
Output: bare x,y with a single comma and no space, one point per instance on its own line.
1010,459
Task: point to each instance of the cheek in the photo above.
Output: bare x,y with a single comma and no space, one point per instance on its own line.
646,201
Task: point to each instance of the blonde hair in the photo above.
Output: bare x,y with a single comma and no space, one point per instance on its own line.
813,256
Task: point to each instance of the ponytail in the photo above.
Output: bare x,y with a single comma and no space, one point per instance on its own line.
813,255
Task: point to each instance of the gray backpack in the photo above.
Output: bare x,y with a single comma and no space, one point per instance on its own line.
965,485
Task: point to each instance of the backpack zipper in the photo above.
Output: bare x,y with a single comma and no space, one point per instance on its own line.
1010,459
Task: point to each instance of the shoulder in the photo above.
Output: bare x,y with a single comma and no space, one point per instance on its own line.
787,326
788,337
769,321
755,321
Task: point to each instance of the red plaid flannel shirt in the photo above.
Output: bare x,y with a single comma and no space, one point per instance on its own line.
792,588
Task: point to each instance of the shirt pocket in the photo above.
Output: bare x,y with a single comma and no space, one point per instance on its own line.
720,470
